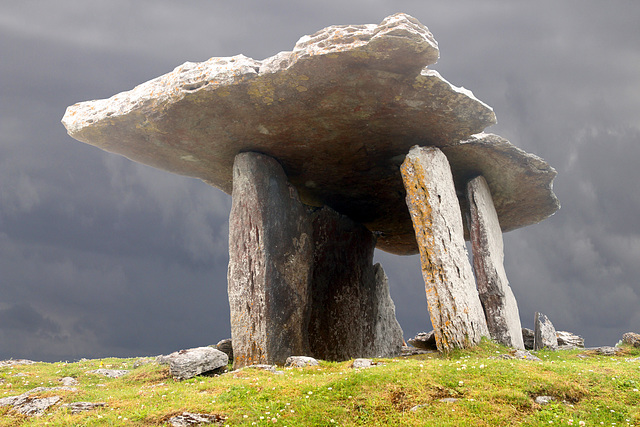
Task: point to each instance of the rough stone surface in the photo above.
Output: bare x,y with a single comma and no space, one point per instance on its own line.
270,264
226,346
300,361
78,407
68,381
351,311
26,404
499,303
339,112
362,363
424,340
605,350
454,305
568,340
525,355
185,364
528,337
544,333
110,373
192,419
631,338
544,400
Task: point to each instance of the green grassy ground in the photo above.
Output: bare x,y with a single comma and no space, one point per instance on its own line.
588,389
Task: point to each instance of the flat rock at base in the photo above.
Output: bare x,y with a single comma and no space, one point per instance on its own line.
525,355
300,361
110,373
424,340
498,302
454,306
357,92
190,419
37,407
544,333
185,364
631,338
226,347
68,381
568,340
78,407
362,363
270,264
544,400
605,350
528,337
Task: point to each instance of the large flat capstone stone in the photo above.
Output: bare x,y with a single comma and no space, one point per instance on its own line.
339,112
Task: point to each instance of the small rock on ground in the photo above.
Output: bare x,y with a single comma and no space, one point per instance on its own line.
300,361
110,373
191,419
77,407
631,338
544,400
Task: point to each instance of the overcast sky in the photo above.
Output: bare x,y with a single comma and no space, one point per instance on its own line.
101,257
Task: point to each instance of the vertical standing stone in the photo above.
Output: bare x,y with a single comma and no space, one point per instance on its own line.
454,306
270,264
352,314
544,333
499,303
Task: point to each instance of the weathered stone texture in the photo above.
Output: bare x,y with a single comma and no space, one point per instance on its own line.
352,314
270,264
528,337
454,306
499,303
339,112
631,338
185,364
568,340
544,333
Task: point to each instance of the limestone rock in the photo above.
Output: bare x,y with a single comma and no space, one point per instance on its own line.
567,340
270,264
78,407
226,347
187,419
339,112
68,381
528,337
454,305
545,333
110,373
631,338
185,364
36,407
605,350
351,311
300,361
362,363
544,400
525,355
499,303
424,340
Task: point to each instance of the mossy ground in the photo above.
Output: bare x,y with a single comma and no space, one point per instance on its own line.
588,389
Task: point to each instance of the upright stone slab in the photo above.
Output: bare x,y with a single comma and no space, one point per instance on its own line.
454,306
352,314
499,303
270,264
544,333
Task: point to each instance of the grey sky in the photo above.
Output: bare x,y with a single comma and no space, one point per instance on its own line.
103,257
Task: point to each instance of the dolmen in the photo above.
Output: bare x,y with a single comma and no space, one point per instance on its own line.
347,143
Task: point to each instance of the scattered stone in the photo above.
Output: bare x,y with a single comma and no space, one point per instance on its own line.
185,364
32,406
300,361
569,341
190,419
525,355
449,400
68,381
340,147
544,400
270,368
362,363
13,362
77,407
454,306
632,339
424,341
110,373
605,350
142,361
498,302
528,337
545,333
270,264
226,346
412,351
415,408
637,359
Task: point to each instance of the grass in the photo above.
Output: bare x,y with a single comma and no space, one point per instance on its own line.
588,389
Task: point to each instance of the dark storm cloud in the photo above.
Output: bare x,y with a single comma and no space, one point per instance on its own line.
100,256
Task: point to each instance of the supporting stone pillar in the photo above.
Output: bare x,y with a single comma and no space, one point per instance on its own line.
454,305
352,314
270,264
499,303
